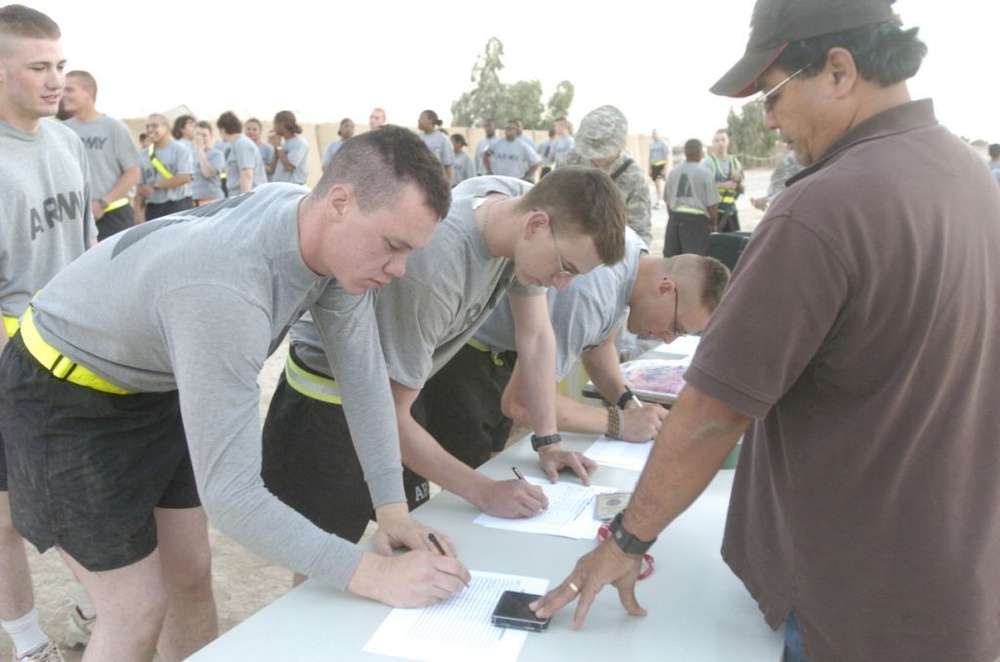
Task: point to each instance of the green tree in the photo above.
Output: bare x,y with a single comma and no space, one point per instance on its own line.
749,137
524,101
480,103
493,99
559,104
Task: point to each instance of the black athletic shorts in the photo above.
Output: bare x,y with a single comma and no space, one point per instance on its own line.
115,221
85,468
309,462
158,210
462,404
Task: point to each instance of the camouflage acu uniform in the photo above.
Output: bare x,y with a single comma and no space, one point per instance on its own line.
600,136
632,182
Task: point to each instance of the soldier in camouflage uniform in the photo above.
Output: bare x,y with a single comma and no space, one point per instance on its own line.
599,143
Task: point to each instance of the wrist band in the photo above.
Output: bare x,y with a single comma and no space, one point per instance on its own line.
627,397
547,440
604,532
616,422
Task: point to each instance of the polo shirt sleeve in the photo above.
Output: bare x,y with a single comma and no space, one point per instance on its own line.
784,301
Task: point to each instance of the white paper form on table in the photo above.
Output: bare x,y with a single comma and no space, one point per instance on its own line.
621,454
458,629
570,513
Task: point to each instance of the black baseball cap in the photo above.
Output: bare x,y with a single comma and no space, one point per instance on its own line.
777,23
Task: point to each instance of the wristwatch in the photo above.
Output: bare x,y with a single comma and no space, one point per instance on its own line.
625,540
547,440
627,397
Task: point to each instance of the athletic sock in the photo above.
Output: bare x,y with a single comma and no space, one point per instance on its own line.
26,633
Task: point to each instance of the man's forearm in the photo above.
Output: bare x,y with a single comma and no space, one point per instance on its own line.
695,440
571,416
174,182
424,455
540,390
124,184
602,366
208,170
246,180
536,350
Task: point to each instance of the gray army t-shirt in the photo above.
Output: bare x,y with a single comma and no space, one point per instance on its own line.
241,154
584,315
196,301
45,217
176,158
110,151
449,289
297,151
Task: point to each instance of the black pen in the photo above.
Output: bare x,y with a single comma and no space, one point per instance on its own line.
517,473
437,543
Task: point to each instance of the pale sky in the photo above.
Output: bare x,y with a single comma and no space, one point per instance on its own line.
326,61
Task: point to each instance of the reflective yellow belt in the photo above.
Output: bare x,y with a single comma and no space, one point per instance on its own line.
311,385
684,209
61,366
10,325
495,356
117,204
158,164
659,163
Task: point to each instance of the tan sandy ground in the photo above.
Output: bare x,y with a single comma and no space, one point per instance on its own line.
243,581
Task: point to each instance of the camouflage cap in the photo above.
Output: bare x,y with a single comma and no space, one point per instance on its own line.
601,134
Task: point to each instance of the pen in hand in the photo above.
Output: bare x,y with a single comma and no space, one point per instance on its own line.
520,476
440,548
437,544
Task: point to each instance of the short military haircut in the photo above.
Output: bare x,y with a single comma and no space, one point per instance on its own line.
883,53
715,279
693,150
378,164
582,201
86,81
711,275
204,124
229,123
21,21
994,151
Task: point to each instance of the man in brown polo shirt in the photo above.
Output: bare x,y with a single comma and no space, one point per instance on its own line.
858,345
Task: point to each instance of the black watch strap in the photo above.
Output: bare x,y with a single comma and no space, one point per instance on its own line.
627,397
547,440
625,540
